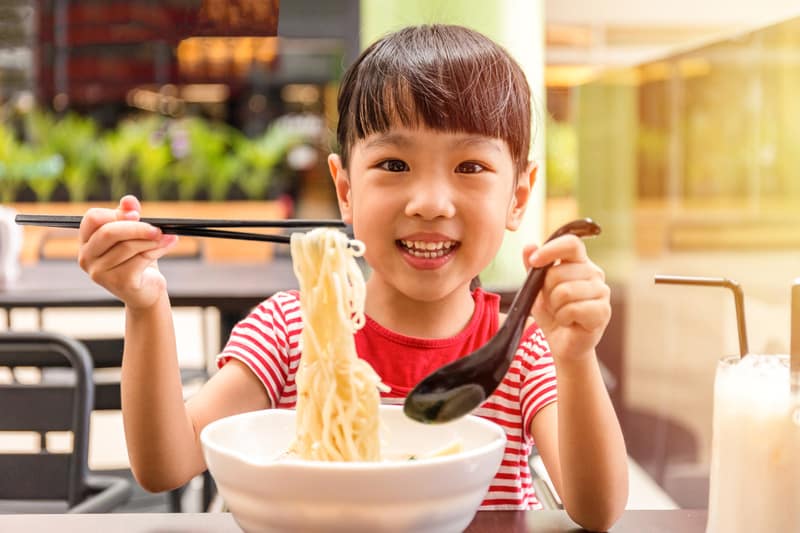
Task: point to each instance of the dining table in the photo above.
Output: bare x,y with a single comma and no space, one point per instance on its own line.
232,288
549,521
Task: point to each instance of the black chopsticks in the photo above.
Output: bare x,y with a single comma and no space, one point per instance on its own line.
195,227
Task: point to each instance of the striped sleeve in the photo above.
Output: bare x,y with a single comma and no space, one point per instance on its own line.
538,376
262,341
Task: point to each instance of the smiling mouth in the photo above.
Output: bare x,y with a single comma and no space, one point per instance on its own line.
427,249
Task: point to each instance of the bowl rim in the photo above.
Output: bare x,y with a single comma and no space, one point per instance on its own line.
499,441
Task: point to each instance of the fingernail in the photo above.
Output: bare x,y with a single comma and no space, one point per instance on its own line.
131,215
167,239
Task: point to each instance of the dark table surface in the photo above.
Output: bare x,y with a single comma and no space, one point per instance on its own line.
228,286
672,521
232,288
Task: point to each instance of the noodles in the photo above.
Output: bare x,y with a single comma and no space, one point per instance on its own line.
337,393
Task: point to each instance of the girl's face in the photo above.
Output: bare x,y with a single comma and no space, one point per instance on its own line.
430,206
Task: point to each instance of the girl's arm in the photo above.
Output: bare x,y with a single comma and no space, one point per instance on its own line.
163,433
579,437
119,253
582,447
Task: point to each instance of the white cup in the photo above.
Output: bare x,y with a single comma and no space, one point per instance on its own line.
10,246
755,448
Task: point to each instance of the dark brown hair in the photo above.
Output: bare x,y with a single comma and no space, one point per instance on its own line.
444,77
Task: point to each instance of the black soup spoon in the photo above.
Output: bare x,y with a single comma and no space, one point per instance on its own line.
459,387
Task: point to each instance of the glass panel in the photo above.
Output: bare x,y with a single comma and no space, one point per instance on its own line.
690,162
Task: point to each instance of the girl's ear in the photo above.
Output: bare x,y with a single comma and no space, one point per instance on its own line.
522,193
341,182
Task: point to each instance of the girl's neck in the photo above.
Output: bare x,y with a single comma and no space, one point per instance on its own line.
417,318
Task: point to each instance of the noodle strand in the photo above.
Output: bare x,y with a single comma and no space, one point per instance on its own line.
337,393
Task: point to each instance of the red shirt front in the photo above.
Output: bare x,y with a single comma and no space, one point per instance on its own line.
403,361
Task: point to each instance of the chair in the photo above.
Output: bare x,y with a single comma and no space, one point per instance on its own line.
106,353
51,481
542,484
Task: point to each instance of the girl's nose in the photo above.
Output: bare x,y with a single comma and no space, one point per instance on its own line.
430,199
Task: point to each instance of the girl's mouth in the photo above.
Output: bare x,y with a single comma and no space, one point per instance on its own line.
427,249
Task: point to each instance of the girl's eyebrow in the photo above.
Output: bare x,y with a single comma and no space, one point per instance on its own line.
388,139
401,140
477,140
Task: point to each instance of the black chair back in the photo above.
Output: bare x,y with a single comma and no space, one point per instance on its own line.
106,353
44,407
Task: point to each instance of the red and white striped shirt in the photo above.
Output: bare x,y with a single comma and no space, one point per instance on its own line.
268,342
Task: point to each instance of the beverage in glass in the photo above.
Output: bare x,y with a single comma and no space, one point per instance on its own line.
755,448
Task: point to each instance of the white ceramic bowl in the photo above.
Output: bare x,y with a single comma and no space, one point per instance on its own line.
265,493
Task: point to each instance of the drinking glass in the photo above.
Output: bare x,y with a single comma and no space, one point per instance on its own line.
755,447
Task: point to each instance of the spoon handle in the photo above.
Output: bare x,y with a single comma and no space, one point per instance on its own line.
523,301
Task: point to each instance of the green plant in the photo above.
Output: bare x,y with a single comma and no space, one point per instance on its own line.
162,156
22,164
47,166
206,146
224,172
75,138
42,173
261,156
153,157
8,152
119,148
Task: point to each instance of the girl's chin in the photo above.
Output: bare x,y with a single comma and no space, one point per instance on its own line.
431,289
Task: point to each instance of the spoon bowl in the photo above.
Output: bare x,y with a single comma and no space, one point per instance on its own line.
459,387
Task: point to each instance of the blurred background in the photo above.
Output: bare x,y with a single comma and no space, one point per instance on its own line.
675,125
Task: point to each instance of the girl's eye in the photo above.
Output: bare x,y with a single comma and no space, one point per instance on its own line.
469,167
393,165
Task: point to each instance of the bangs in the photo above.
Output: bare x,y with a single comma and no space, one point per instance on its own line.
445,78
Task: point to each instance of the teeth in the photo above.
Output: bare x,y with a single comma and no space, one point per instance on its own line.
428,250
427,246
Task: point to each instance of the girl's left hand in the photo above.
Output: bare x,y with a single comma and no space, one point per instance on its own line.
574,306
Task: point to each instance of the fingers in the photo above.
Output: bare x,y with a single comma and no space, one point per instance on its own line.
110,237
566,272
128,209
567,248
527,252
591,315
117,232
576,290
576,294
93,219
119,252
122,252
130,203
119,275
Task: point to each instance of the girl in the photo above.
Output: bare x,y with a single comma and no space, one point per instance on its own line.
434,133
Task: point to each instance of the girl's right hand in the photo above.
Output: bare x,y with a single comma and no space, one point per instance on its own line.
119,253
